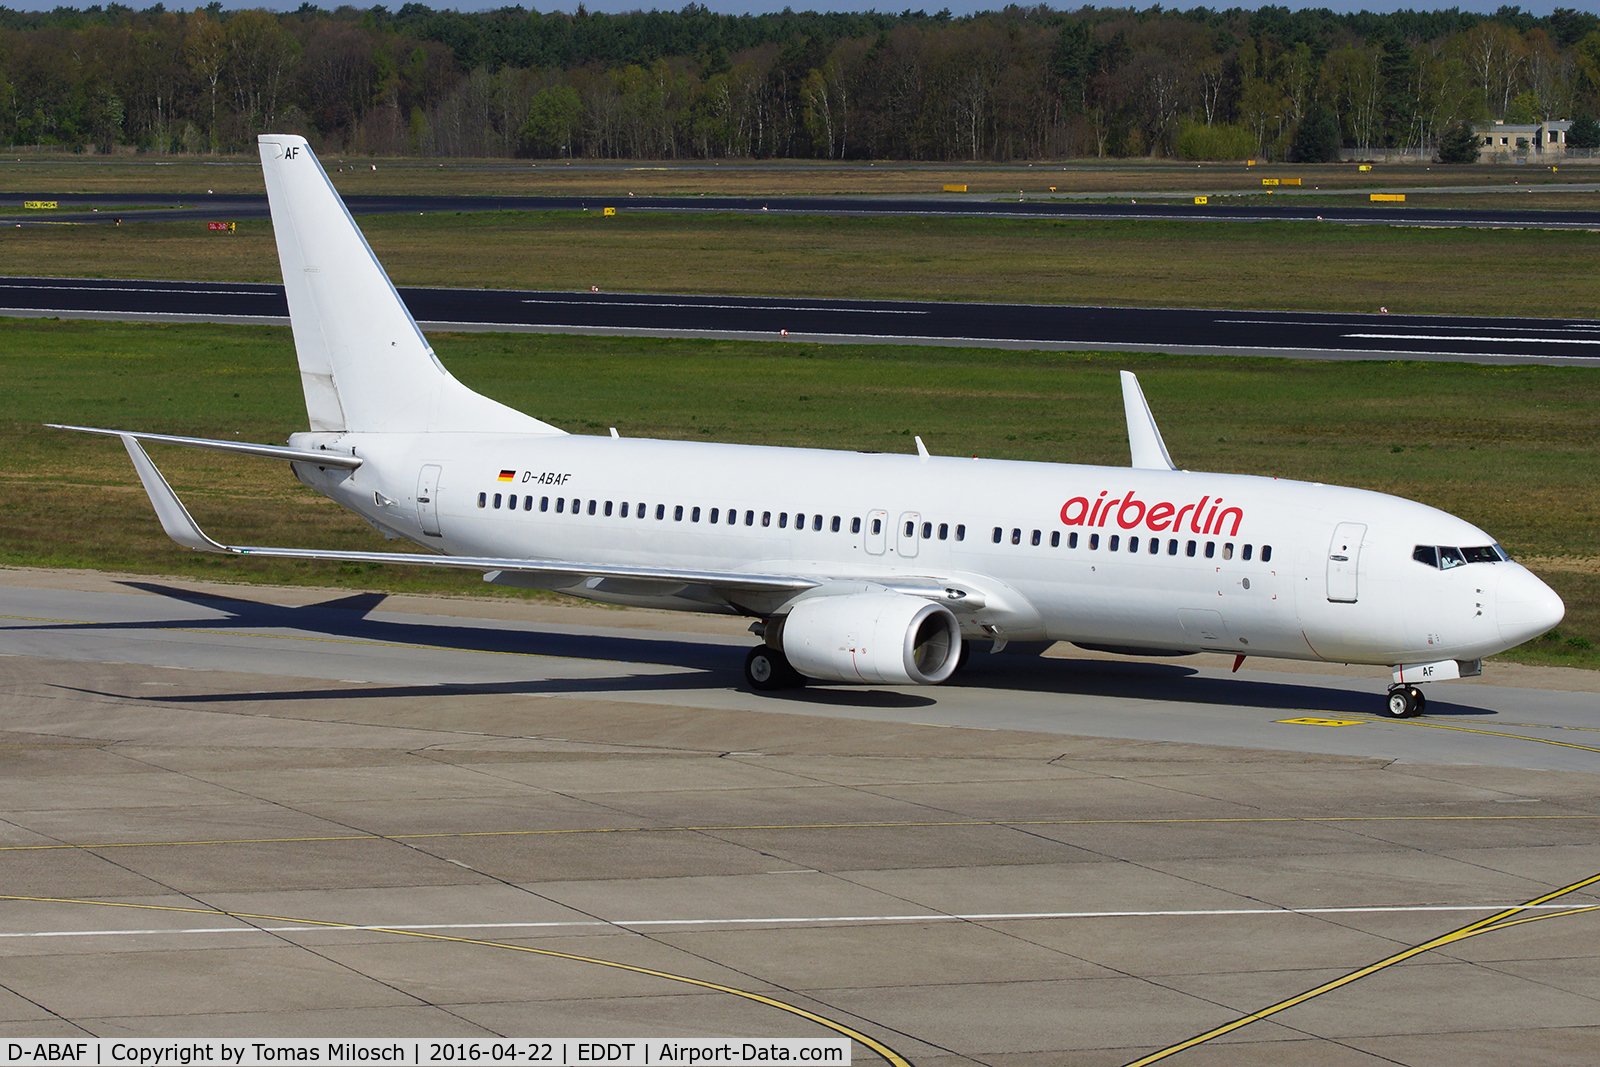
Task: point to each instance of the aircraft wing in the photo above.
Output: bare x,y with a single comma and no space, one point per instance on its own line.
643,581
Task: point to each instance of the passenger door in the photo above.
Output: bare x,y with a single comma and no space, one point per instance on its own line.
1344,561
428,500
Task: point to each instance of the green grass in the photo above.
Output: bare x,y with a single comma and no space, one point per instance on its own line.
1512,449
1302,266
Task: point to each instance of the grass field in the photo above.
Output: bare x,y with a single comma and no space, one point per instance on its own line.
45,175
1510,448
1299,266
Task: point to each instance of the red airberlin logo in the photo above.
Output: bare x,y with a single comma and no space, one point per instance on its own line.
1130,513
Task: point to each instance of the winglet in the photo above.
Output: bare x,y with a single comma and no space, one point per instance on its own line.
1144,439
175,518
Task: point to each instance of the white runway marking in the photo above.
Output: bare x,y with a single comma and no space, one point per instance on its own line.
1489,340
820,920
139,289
729,307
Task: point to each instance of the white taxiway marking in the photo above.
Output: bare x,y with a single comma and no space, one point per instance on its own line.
821,920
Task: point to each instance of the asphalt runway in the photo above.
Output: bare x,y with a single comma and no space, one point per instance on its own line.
129,207
1562,342
269,812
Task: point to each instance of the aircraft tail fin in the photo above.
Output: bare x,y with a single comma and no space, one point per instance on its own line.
1144,438
364,364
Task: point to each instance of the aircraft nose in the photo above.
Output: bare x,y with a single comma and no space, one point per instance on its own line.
1525,607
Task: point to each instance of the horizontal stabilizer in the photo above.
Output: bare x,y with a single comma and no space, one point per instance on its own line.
1144,439
296,455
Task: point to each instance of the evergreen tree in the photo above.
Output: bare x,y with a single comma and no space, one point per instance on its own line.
1585,133
1459,144
1317,139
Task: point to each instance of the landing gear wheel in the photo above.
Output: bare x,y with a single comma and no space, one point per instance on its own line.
1404,702
766,669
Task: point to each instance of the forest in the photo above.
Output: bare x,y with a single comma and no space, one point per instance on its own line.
1016,83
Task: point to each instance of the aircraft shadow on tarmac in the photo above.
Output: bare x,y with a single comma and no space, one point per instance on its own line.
708,665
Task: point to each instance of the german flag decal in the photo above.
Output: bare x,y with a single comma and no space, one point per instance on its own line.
506,476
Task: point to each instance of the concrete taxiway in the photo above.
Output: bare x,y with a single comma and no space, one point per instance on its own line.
233,810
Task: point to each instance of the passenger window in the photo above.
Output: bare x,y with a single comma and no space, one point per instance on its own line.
855,525
483,499
1036,537
961,532
592,504
944,531
1055,538
927,530
998,534
816,523
713,517
511,502
766,518
527,503
1172,547
677,513
608,509
624,511
1072,539
750,518
544,503
1094,541
497,497
835,524
661,512
1227,550
1155,546
576,505
561,505
877,526
783,520
1266,553
1189,549
694,516
1211,550
911,529
733,516
1246,553
1115,539
799,520
1133,544
1016,536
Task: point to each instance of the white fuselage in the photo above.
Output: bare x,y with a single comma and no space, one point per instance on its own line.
1240,564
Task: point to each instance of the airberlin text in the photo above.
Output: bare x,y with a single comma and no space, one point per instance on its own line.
554,1052
1205,516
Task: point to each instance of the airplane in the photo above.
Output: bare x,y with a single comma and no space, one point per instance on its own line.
856,567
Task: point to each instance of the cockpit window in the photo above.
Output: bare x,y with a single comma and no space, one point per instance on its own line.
1445,557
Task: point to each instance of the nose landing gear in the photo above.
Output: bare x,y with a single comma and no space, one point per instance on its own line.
1405,701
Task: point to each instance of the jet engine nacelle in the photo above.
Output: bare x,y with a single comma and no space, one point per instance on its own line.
872,637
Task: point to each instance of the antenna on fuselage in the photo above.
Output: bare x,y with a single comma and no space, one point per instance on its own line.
1144,438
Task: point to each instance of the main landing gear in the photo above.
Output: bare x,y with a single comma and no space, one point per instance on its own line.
1405,701
767,669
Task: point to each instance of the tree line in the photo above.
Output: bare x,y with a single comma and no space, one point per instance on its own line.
1018,83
